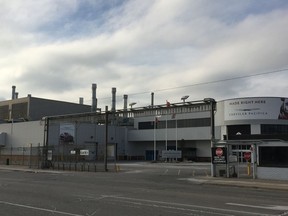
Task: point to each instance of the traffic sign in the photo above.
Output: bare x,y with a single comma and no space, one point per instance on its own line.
219,152
219,155
247,156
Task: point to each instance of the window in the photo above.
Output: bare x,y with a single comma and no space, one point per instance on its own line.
274,129
273,156
182,123
238,130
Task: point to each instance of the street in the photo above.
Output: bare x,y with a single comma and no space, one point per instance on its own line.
138,189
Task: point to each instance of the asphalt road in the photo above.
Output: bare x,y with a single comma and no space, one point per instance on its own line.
139,189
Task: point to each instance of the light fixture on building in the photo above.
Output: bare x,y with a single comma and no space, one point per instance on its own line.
132,104
184,98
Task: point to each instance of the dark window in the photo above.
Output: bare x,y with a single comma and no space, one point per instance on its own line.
238,130
182,123
203,122
145,125
19,110
273,156
274,129
4,112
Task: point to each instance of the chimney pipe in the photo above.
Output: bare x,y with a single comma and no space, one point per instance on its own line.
113,109
81,100
16,95
94,99
125,102
152,99
13,92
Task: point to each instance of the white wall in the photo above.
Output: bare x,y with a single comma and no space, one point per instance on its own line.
23,134
272,173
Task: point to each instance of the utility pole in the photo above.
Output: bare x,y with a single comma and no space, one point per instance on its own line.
106,138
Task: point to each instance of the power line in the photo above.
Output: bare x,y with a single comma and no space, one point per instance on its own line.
207,83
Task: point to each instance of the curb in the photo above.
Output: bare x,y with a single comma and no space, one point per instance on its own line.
262,184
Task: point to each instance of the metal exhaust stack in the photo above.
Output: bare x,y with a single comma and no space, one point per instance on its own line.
81,100
113,99
13,92
152,99
94,99
125,102
125,105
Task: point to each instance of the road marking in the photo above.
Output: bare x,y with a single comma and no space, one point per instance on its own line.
272,207
166,171
39,209
181,206
179,172
134,171
193,180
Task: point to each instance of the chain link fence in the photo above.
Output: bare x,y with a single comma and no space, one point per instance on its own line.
22,156
86,158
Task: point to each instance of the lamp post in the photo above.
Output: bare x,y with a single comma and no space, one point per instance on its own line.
212,103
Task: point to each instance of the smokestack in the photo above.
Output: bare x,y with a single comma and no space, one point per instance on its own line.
125,102
152,99
94,99
16,95
113,99
13,92
81,100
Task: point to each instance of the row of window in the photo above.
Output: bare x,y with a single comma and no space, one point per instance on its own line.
183,123
173,110
266,129
274,129
273,156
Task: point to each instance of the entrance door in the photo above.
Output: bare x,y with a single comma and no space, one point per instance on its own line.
243,165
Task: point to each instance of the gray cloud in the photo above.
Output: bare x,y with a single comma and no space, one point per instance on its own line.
143,46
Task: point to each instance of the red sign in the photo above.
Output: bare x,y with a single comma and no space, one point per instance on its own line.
247,155
219,152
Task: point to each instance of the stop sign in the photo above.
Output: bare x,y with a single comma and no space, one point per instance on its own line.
247,155
219,152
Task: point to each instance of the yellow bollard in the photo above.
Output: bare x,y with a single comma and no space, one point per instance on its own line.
248,169
117,168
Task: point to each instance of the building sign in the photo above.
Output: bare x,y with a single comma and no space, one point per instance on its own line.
256,108
171,154
49,155
84,152
219,155
67,132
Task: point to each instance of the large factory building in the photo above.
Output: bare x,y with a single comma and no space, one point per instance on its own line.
248,130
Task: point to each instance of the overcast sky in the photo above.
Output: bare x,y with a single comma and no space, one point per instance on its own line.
56,49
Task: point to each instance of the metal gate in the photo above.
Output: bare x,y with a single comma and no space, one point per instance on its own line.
240,160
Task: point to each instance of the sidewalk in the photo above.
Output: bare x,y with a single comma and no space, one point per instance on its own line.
27,169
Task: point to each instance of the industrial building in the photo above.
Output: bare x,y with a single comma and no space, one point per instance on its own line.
232,133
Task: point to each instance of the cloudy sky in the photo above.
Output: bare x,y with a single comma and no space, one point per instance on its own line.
223,49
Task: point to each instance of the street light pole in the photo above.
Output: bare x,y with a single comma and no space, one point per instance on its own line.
154,149
106,137
212,103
